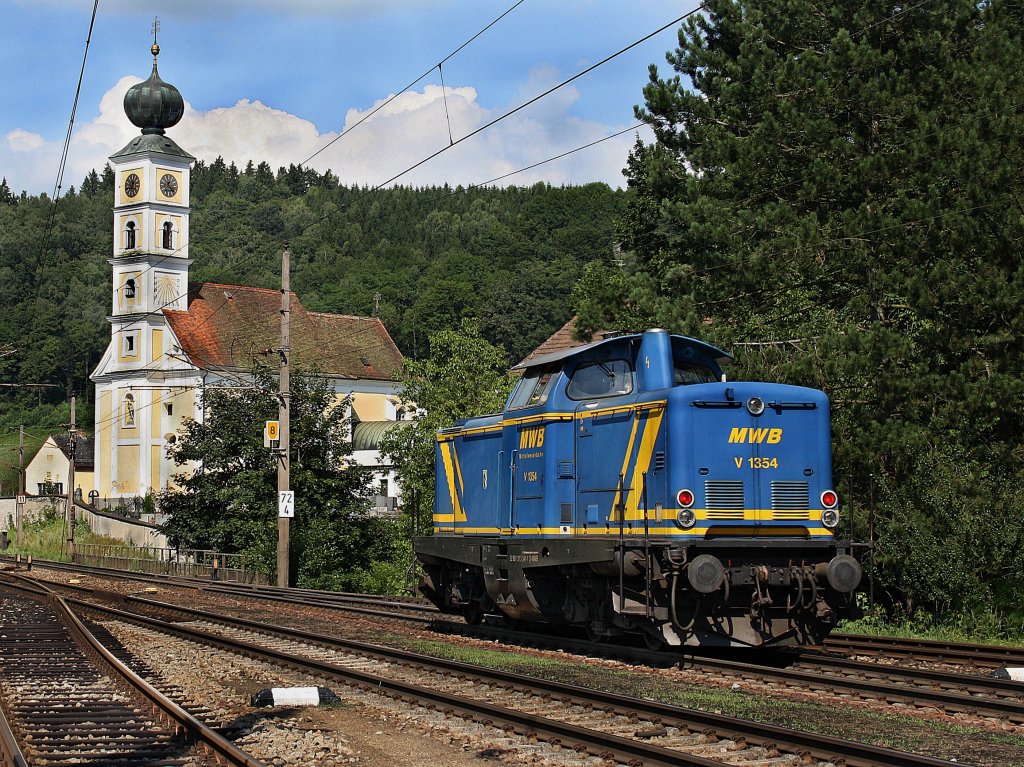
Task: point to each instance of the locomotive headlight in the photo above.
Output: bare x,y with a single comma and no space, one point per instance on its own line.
686,519
829,499
685,498
755,406
830,518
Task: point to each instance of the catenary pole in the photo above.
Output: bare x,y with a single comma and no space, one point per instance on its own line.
72,434
19,508
284,403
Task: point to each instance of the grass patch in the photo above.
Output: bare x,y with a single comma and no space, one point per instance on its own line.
983,628
46,538
890,730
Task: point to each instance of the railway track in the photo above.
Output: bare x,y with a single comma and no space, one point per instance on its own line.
985,656
917,688
625,730
68,700
981,656
955,694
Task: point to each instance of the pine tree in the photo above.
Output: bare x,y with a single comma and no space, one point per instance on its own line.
836,187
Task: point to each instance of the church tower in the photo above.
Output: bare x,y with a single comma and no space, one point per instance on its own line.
150,274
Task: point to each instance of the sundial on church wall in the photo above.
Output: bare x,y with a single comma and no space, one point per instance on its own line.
165,289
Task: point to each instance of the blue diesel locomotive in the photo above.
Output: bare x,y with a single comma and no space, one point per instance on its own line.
629,488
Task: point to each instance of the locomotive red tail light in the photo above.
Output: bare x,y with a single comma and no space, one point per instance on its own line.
829,499
685,498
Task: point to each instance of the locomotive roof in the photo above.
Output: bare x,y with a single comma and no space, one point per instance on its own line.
715,353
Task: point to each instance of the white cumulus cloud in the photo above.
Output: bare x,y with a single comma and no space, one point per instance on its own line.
404,130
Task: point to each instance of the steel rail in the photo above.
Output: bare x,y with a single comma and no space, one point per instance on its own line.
981,695
823,747
10,751
927,649
196,731
578,738
841,642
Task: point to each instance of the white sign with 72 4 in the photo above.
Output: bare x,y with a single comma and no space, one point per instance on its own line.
286,503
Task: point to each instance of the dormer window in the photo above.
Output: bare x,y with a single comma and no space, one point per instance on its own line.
168,231
129,236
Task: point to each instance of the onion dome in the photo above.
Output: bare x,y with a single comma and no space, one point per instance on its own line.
154,105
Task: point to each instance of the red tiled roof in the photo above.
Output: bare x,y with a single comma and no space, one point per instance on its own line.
228,326
563,338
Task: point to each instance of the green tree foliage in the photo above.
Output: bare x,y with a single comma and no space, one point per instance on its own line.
465,375
835,189
421,259
229,503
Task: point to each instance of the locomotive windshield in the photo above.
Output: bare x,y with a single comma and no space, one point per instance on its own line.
534,388
692,372
608,378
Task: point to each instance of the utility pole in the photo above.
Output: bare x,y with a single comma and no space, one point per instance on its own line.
19,507
285,500
72,438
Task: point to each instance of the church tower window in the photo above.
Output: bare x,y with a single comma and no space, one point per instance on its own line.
168,236
129,236
129,289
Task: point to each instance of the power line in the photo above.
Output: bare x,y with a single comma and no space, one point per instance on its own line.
478,130
398,93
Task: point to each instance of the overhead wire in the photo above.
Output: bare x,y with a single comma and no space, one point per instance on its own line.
480,32
398,93
522,106
489,124
62,164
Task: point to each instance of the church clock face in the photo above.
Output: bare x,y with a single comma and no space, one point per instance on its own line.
168,185
131,185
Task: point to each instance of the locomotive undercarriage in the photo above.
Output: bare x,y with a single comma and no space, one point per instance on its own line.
704,594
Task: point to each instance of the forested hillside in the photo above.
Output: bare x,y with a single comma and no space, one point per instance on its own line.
421,259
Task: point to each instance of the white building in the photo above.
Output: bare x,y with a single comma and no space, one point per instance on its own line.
170,338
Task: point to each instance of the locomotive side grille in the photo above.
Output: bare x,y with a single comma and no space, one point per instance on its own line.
790,500
723,498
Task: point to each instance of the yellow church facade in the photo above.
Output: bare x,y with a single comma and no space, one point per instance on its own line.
170,338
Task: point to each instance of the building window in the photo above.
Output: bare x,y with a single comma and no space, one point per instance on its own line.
128,345
128,411
384,487
129,290
168,236
169,408
129,236
50,488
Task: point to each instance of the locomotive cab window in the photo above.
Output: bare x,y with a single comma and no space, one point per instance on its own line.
688,372
609,378
533,390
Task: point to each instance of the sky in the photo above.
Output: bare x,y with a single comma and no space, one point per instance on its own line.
280,80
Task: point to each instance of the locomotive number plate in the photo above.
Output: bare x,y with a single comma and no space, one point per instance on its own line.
757,462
